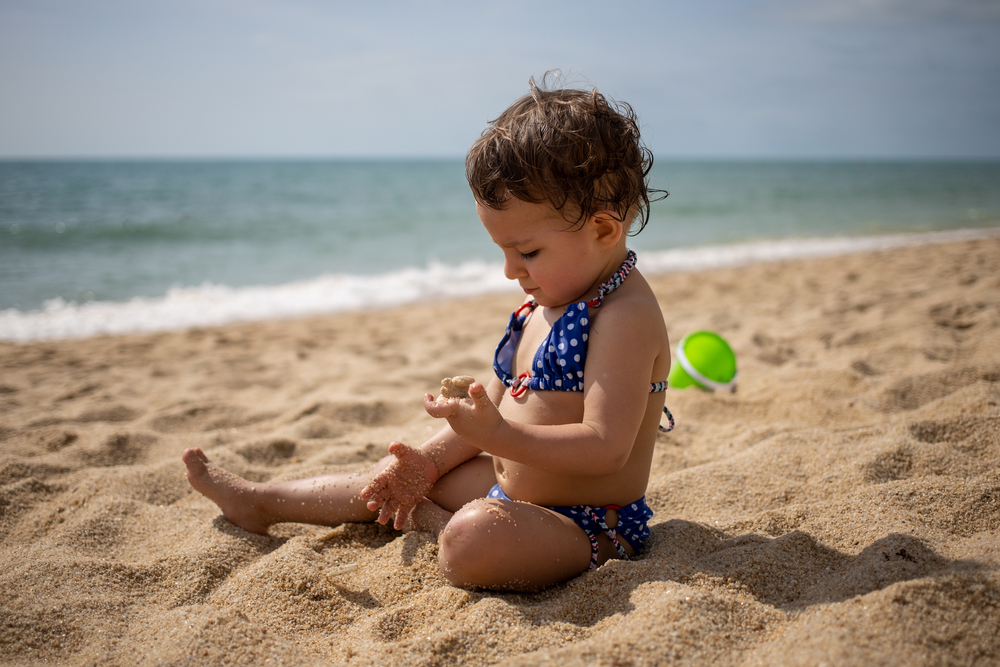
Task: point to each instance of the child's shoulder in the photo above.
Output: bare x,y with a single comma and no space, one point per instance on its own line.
633,306
634,295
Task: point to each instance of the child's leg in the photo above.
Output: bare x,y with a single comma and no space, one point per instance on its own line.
513,545
327,500
470,481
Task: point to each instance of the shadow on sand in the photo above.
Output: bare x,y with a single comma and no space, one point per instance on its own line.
790,573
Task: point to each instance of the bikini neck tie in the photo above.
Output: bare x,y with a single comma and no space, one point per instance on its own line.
615,281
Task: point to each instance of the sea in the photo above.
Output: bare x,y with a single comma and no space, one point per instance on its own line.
94,247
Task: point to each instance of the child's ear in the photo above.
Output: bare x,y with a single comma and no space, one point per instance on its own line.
608,228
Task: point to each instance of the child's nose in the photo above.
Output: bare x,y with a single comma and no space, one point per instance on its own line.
513,267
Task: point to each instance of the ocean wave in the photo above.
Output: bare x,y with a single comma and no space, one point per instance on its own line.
209,305
720,256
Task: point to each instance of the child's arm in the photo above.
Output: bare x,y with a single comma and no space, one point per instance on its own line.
621,355
396,490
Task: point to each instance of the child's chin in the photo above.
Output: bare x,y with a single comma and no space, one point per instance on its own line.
550,302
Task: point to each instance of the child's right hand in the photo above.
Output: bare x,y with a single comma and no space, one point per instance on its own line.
395,491
474,420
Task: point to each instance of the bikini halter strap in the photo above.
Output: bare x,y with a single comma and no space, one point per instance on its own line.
615,281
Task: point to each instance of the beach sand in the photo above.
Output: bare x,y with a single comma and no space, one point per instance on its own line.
842,508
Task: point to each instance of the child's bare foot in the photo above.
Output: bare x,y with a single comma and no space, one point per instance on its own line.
235,496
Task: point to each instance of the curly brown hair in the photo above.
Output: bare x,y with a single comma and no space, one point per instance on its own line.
575,149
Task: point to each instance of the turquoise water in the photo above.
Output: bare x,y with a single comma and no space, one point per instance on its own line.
111,232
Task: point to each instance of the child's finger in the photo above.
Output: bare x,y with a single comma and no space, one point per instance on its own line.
398,449
374,488
435,409
384,515
479,396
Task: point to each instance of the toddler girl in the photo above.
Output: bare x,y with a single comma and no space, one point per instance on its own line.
542,474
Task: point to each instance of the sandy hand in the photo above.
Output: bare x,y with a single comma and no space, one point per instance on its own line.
474,419
395,491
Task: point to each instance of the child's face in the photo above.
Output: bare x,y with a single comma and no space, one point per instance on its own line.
553,262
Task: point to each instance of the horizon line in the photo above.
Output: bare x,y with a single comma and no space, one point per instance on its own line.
442,158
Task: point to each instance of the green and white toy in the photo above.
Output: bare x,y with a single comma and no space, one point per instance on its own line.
704,359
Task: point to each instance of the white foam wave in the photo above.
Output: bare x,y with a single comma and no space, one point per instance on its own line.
208,304
715,257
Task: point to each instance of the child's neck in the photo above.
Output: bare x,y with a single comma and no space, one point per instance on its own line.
612,263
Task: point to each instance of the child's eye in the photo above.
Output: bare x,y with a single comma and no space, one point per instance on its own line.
528,255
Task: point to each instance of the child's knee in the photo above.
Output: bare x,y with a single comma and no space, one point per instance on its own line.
470,544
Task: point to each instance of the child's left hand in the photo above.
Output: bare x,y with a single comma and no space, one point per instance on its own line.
475,420
395,491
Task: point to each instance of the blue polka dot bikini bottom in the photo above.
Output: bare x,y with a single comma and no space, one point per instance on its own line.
632,522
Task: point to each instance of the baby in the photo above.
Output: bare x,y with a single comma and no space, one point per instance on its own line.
541,474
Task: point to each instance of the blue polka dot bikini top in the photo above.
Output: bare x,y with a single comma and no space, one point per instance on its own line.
559,361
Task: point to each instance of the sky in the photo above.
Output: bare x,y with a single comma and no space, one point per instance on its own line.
712,79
